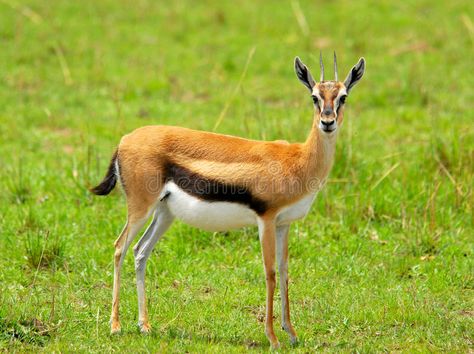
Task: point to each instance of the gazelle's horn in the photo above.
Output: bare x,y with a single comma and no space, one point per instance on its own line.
335,67
321,78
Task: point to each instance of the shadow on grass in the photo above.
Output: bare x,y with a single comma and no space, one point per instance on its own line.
172,334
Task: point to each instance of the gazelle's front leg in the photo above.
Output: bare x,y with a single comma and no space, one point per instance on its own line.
282,256
266,229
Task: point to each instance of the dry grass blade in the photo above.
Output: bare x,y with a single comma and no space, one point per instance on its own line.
390,170
25,11
412,47
64,67
97,317
300,17
466,20
236,89
430,209
450,177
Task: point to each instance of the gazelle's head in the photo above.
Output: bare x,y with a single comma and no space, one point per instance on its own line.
329,97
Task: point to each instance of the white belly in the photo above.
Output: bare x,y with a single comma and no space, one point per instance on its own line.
296,210
210,216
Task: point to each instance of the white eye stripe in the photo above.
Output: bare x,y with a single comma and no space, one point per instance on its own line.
321,106
315,93
338,99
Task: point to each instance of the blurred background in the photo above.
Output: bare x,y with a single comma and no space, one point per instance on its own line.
384,261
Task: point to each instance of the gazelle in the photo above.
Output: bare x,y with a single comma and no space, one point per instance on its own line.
219,182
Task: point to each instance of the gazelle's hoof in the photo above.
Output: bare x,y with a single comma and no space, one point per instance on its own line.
291,332
294,340
115,328
275,345
145,328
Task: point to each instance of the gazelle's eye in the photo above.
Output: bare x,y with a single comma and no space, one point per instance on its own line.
342,100
315,100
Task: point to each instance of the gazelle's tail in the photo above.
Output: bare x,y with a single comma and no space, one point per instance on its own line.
110,179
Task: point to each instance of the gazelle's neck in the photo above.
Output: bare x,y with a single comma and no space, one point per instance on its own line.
321,148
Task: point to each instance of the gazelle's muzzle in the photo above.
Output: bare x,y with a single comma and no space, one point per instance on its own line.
327,121
328,126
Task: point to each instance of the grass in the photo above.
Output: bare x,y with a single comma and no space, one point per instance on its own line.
384,261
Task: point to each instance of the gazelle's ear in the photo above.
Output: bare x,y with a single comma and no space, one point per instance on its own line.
303,74
355,74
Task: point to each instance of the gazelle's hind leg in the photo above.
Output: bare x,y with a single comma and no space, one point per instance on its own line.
142,250
137,217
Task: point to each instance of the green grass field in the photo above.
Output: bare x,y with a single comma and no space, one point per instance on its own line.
383,262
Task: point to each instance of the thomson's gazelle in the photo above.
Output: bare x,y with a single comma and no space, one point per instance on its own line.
220,182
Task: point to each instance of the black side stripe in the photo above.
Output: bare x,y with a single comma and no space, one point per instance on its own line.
212,190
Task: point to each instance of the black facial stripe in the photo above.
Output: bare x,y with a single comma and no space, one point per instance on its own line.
341,102
211,190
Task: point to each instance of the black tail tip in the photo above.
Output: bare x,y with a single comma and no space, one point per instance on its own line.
105,187
109,181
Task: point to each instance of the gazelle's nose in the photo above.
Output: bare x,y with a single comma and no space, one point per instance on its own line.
328,112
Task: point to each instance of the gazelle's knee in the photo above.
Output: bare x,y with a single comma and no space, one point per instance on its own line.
140,260
136,249
118,255
271,277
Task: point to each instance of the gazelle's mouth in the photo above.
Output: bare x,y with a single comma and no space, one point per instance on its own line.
328,127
